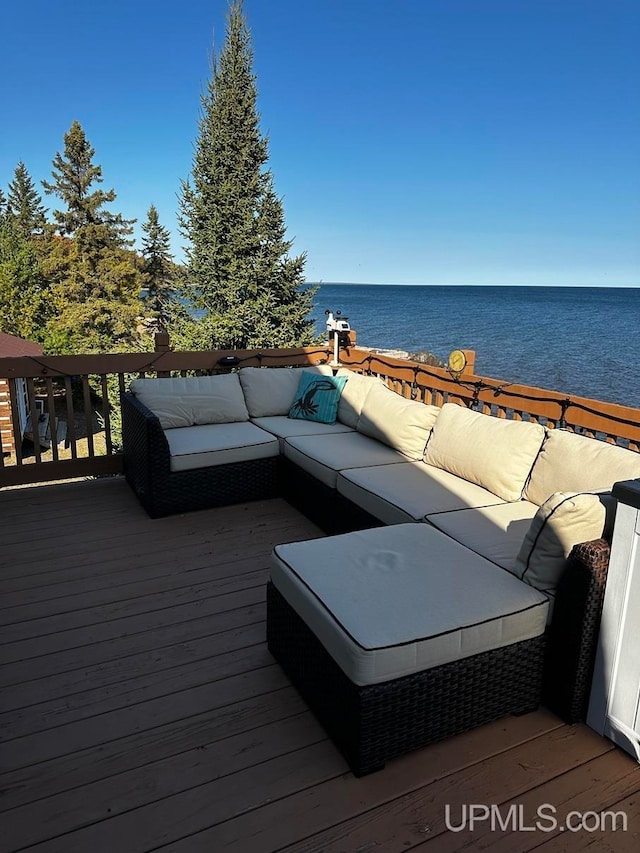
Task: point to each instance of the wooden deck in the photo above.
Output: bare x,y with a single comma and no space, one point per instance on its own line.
142,711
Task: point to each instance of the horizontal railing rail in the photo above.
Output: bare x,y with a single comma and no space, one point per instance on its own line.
616,424
78,398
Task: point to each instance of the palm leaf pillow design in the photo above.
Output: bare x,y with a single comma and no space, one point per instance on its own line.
317,398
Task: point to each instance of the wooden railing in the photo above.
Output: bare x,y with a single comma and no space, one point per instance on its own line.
81,393
609,422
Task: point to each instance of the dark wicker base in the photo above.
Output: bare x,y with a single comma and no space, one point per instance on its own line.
373,724
201,488
331,511
573,634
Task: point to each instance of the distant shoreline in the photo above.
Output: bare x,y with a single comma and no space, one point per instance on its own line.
536,286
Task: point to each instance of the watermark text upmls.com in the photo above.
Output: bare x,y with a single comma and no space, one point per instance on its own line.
472,816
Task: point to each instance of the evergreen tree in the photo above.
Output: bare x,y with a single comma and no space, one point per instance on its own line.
24,203
24,294
240,273
3,205
96,281
158,269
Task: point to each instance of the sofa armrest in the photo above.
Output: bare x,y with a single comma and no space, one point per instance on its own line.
145,449
573,634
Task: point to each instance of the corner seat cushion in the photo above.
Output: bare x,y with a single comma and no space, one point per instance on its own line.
269,391
185,401
324,456
392,419
285,427
410,490
494,532
218,444
493,453
576,463
391,601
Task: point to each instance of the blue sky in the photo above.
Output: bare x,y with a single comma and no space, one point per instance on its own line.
413,141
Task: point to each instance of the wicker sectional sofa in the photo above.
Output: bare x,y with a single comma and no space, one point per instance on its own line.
465,574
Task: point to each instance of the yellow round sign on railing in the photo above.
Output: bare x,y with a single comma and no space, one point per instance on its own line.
457,361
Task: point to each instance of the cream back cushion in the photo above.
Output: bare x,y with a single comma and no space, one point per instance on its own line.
354,394
572,463
565,519
403,424
185,401
269,391
493,453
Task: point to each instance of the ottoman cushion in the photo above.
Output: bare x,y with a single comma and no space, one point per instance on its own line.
391,601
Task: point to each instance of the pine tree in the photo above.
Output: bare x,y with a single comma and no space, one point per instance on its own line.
241,275
3,205
24,203
158,269
96,278
24,293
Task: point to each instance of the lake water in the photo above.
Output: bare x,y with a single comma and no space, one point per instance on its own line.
577,340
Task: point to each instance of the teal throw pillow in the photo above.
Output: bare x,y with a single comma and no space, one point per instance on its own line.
317,398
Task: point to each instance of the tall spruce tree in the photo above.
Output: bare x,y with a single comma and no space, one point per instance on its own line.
24,203
24,292
158,269
96,277
242,279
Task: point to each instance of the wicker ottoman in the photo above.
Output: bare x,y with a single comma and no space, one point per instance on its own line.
399,636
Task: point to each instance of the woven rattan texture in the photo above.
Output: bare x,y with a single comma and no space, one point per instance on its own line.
375,723
573,634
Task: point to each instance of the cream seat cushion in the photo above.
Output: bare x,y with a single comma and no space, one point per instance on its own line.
403,424
184,401
284,427
576,463
270,391
323,456
495,532
391,601
218,444
493,453
410,490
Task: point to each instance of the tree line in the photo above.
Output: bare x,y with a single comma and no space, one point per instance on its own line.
72,280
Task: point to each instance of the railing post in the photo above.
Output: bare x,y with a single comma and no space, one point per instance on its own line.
161,344
470,366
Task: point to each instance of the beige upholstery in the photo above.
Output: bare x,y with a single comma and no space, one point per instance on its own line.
495,532
575,463
409,490
403,424
354,394
284,427
390,601
563,520
181,402
324,456
270,391
496,454
218,444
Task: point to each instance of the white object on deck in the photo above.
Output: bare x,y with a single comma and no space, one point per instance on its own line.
614,707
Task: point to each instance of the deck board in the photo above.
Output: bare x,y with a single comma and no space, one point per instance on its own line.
140,709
